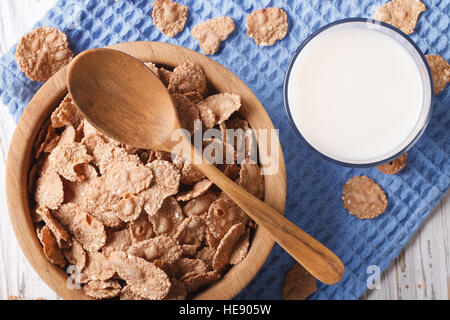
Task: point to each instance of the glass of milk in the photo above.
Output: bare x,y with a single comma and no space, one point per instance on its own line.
359,92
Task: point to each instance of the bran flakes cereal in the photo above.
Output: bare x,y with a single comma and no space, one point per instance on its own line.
299,284
266,26
51,248
66,114
49,190
197,190
222,215
76,255
102,289
117,241
141,229
226,245
363,198
206,254
217,108
188,250
128,177
212,32
65,159
250,178
85,228
60,234
167,219
98,267
187,77
145,278
169,17
164,76
440,70
42,52
190,174
200,205
187,111
127,294
193,96
177,291
68,136
129,208
394,166
185,268
158,248
191,231
75,192
240,249
197,282
402,14
152,67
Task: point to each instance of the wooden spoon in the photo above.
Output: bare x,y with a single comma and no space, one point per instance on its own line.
121,97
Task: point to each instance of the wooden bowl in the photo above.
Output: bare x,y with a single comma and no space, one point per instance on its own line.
47,99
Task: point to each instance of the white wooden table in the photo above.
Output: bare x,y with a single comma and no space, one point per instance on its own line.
422,270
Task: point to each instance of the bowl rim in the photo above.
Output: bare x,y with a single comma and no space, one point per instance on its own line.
286,85
19,164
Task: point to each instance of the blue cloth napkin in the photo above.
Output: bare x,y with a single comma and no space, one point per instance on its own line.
314,186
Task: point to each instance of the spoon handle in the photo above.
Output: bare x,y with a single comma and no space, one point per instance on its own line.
317,259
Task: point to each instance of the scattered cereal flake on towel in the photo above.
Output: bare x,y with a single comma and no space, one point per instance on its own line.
187,111
167,219
98,267
212,32
363,198
267,25
49,190
299,284
197,282
61,235
440,70
169,17
250,178
85,228
240,250
394,166
190,174
191,231
76,255
226,245
187,77
158,248
217,108
42,52
145,278
129,208
199,206
117,241
65,159
50,247
141,229
66,114
197,190
98,289
222,215
402,14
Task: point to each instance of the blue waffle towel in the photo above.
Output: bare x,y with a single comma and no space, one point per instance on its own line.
314,186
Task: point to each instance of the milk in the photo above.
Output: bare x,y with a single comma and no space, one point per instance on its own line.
358,94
